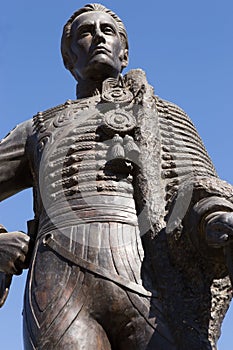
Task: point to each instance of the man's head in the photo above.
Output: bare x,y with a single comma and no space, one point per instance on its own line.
94,44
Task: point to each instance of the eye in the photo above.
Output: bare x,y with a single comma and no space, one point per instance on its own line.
108,29
84,31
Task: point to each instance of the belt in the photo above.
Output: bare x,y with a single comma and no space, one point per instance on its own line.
55,246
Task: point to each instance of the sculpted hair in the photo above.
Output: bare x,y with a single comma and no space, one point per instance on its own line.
66,36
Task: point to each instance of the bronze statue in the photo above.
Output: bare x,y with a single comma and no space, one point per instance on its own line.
130,246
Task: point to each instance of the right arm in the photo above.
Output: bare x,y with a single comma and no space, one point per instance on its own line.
15,175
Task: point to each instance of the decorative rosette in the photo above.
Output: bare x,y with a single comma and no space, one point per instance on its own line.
117,95
118,121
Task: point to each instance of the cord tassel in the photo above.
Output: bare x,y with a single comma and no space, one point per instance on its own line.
131,149
116,151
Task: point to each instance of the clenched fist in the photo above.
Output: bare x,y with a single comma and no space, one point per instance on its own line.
14,248
219,229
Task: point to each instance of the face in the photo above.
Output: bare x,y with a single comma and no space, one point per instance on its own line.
97,49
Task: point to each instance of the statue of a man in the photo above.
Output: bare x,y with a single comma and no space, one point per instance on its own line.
130,244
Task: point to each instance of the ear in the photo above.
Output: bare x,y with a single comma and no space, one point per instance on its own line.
70,59
124,58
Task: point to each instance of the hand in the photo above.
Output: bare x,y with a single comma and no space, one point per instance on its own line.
13,252
219,229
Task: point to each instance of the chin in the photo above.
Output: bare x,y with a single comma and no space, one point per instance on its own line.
101,70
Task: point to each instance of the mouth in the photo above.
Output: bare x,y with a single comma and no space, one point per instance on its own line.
100,50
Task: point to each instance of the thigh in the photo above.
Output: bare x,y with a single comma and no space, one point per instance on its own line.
84,333
148,329
139,335
55,294
130,321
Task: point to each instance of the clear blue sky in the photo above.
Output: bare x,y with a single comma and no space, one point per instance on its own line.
184,46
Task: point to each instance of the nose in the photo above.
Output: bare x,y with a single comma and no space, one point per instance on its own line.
98,37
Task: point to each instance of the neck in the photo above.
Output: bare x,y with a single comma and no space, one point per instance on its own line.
88,88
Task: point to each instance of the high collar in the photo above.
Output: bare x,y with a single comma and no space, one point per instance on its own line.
90,88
